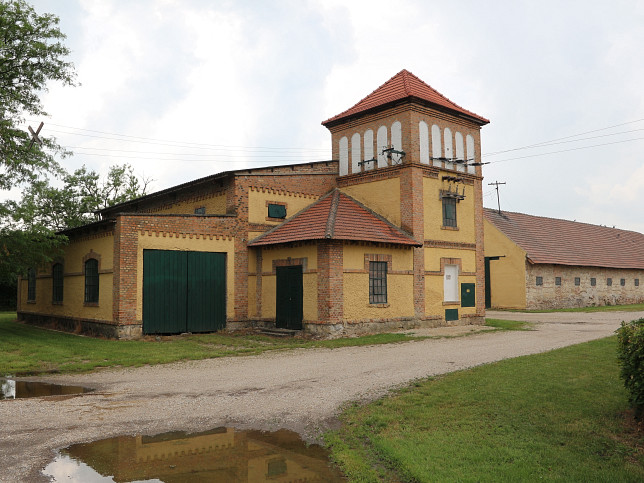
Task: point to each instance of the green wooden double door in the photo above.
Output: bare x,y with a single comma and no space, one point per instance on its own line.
183,291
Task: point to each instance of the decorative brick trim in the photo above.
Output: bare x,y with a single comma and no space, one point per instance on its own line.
373,257
289,262
273,191
447,244
196,236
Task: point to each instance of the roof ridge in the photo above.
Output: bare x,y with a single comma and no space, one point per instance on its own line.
333,211
495,211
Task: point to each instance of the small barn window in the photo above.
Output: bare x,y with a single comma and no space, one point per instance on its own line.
577,281
609,282
200,211
637,282
91,281
276,211
539,281
593,282
449,212
31,285
557,280
377,282
622,282
57,283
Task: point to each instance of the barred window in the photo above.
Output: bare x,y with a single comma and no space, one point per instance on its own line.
377,282
91,281
593,282
539,280
609,282
57,282
449,212
637,282
31,285
557,280
577,281
622,282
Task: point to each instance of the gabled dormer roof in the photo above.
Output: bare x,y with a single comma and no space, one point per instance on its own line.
336,216
405,85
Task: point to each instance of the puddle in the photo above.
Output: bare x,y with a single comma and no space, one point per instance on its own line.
11,389
222,454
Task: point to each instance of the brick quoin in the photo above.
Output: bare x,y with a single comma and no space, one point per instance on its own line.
330,281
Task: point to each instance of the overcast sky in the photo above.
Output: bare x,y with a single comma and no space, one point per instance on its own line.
197,87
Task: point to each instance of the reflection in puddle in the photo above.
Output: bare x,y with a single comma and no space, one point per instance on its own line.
222,454
10,389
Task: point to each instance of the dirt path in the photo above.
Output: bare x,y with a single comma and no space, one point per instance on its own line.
301,390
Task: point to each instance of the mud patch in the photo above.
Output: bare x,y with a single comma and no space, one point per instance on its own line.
221,454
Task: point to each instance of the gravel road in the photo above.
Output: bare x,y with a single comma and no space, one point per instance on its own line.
300,390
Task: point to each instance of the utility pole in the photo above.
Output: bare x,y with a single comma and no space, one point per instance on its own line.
498,200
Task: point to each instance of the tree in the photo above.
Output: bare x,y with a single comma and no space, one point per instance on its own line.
31,55
74,204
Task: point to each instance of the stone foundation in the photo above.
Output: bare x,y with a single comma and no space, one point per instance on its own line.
92,328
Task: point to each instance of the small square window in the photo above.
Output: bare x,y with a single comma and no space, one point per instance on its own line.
200,211
539,280
577,281
593,282
637,282
609,282
557,280
276,211
622,282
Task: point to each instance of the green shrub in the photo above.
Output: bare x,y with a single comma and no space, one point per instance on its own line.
631,360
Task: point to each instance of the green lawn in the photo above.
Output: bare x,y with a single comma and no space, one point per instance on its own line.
28,350
556,416
603,308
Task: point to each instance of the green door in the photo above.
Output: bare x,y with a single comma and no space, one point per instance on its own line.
289,297
183,291
206,307
164,291
468,298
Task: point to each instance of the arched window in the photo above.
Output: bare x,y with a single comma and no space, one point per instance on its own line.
449,154
460,150
91,281
423,142
469,144
437,147
344,156
368,148
57,282
31,285
381,143
355,153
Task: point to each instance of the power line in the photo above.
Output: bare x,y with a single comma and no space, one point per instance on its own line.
554,141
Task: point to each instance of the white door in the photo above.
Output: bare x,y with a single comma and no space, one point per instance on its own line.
450,283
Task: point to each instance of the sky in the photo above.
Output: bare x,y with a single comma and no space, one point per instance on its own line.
185,89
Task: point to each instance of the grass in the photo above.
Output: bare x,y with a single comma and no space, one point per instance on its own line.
602,308
557,416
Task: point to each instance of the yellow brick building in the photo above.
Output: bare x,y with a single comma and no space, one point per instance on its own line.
388,234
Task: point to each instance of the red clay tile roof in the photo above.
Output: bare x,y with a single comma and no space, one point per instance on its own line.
336,216
563,242
402,86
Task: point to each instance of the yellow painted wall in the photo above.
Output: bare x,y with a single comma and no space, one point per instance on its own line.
74,283
201,244
434,212
309,280
434,296
507,275
215,205
381,196
400,298
433,258
252,290
258,210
